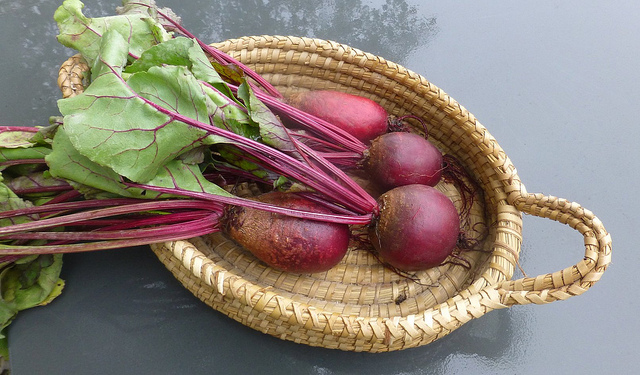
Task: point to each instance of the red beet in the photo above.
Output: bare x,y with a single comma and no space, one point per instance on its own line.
361,117
284,242
399,158
352,132
417,228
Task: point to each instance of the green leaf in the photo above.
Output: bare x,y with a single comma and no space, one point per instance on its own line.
271,128
149,7
180,175
120,124
172,52
179,52
174,88
183,173
84,34
38,152
182,52
56,291
224,109
27,283
229,115
203,69
11,154
45,134
67,163
8,312
195,156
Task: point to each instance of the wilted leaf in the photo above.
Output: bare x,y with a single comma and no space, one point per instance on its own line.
34,183
11,138
27,283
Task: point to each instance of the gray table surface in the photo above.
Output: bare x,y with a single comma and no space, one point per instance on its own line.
556,83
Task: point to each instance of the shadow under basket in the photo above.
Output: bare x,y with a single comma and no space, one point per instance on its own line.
359,305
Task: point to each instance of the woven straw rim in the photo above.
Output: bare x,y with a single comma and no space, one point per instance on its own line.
303,308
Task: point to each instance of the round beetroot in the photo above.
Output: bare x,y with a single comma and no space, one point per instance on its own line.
417,228
361,117
399,158
284,242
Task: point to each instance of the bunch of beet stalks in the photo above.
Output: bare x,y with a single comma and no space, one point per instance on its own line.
303,226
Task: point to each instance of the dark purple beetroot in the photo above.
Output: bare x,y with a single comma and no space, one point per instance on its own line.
359,116
287,243
417,228
399,158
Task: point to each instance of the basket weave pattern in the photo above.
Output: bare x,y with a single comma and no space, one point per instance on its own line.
360,305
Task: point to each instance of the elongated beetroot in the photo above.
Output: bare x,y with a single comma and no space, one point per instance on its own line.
361,117
399,158
417,228
284,242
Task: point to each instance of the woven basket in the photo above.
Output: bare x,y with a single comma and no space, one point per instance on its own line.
360,305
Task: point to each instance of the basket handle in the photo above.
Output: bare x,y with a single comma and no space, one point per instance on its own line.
572,280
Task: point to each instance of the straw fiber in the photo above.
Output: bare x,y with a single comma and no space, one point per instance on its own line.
359,305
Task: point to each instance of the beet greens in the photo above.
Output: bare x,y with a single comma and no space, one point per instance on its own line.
148,151
154,118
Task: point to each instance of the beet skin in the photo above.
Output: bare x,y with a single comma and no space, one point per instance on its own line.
401,158
417,228
361,117
284,242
